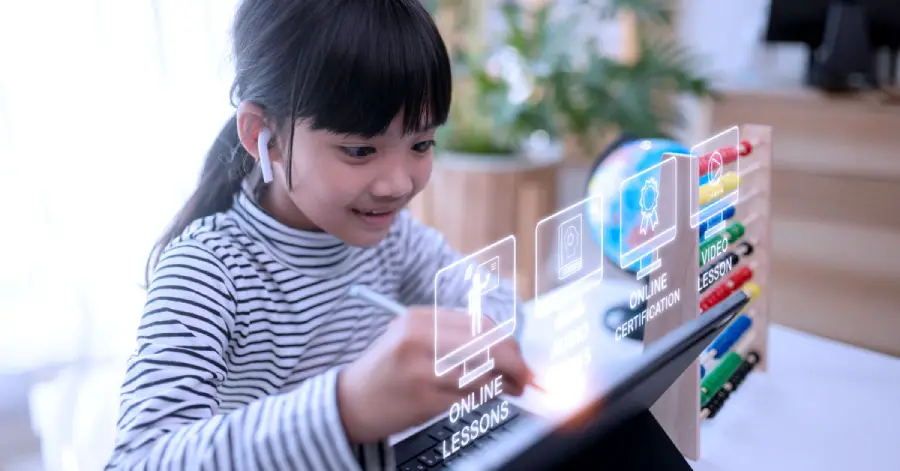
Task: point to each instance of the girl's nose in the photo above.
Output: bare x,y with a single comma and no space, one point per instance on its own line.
395,183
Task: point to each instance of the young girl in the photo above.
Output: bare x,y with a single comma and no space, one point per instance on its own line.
250,355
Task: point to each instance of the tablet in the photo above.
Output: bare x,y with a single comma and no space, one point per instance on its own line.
542,443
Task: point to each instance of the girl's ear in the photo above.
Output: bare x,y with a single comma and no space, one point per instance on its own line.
251,122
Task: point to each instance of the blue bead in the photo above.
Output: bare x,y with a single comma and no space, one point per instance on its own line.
728,213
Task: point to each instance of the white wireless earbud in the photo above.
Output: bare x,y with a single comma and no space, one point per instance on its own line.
265,164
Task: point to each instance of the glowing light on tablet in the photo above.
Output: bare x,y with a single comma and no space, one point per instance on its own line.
566,389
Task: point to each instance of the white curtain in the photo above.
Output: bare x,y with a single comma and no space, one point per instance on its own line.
106,110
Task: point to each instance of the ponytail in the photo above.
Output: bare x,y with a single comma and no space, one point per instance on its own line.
224,169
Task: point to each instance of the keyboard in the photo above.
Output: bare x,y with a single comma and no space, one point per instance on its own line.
423,450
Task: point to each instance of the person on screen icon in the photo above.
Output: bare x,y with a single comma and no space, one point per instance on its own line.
475,295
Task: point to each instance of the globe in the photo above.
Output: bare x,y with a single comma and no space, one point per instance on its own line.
625,161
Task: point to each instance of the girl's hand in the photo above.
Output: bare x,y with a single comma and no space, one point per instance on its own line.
392,386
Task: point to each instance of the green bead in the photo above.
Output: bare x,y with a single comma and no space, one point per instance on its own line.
735,231
715,379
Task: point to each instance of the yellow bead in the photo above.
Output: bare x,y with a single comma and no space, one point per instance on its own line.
710,192
752,290
730,181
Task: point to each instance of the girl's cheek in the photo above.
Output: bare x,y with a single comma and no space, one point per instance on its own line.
422,175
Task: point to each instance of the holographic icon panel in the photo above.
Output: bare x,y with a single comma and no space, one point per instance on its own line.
715,171
569,245
468,287
657,225
562,251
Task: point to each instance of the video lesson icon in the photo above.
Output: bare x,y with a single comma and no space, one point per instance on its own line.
709,170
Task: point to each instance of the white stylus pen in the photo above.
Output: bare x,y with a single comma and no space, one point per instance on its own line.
388,304
378,299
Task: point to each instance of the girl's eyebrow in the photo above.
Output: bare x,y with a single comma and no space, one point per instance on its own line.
416,132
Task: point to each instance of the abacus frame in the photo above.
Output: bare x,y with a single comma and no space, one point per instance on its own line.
678,410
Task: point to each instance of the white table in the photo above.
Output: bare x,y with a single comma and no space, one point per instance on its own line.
822,405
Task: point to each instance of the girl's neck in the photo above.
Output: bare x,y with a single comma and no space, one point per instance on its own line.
277,202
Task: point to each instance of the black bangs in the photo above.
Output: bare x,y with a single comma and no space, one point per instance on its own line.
373,59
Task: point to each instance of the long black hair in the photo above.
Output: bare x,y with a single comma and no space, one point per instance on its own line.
348,66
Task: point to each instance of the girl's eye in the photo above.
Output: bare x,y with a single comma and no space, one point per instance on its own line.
358,152
423,146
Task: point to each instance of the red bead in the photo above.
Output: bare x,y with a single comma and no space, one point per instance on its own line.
723,292
729,154
703,163
746,148
745,274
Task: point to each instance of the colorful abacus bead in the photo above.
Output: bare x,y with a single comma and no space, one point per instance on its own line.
703,163
729,154
739,277
730,181
710,192
734,232
744,274
752,290
721,292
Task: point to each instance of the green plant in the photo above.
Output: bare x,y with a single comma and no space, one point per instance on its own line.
558,84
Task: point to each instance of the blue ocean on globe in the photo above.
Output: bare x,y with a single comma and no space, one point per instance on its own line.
629,159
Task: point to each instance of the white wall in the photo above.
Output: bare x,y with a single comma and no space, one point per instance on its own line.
729,34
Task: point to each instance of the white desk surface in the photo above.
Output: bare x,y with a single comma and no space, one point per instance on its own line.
822,405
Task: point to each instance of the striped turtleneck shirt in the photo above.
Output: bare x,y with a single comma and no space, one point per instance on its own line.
244,331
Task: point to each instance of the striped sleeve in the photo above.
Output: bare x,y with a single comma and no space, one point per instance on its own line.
169,411
427,252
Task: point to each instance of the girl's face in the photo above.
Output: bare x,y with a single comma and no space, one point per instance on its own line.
350,186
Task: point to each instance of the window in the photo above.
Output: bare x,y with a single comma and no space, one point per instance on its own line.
106,111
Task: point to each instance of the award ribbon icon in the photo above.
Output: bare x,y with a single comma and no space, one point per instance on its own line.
649,197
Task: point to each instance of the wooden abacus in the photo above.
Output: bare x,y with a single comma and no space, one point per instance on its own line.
678,411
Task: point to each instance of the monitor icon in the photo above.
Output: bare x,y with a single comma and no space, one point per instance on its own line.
654,215
467,287
710,161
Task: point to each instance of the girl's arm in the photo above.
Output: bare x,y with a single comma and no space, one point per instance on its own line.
424,251
169,416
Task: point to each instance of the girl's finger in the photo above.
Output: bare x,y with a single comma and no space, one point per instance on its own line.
508,360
